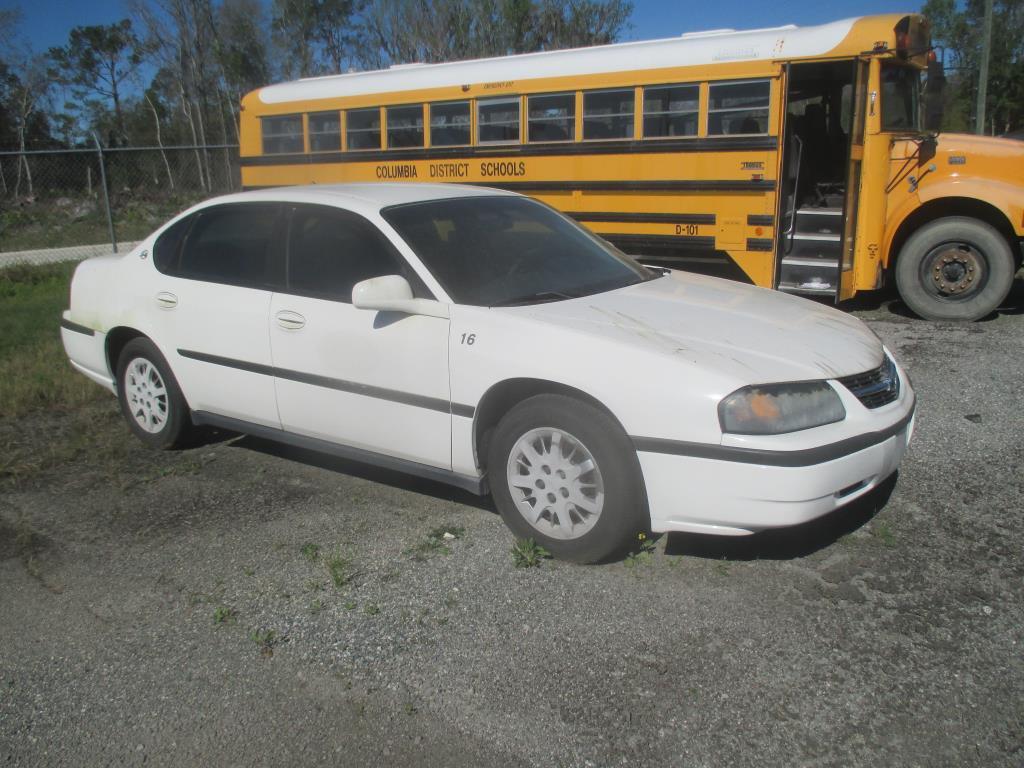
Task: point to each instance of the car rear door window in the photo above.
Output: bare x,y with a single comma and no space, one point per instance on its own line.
233,244
330,250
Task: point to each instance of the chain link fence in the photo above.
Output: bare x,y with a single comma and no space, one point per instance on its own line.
65,205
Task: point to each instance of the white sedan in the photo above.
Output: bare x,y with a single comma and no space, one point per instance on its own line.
482,339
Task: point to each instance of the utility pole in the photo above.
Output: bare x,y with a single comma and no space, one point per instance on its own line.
986,49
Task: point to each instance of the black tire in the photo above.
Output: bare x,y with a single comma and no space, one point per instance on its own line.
623,512
956,268
165,411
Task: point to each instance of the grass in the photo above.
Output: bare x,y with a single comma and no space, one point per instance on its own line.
884,533
34,371
311,552
224,615
340,568
642,552
436,542
527,553
82,220
265,640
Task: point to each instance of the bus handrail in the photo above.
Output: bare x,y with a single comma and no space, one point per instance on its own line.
796,193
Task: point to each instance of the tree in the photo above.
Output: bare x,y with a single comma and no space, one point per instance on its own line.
98,60
315,36
957,29
403,31
244,32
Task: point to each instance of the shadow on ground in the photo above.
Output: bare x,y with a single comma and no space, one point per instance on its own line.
388,477
786,543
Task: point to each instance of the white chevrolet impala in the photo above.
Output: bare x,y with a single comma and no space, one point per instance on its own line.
482,339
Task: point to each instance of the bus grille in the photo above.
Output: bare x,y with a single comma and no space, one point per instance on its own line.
875,388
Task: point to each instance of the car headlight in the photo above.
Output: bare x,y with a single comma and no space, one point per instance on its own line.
773,409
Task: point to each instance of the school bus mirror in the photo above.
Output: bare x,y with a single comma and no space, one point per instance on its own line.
927,146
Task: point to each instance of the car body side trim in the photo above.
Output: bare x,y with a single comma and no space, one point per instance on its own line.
366,390
477,485
802,458
85,330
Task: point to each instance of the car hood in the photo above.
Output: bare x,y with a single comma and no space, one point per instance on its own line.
753,334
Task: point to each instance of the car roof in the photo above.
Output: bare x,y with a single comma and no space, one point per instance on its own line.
363,196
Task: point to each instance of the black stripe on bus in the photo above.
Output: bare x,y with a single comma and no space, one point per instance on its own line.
378,393
466,153
759,244
658,185
643,218
712,185
760,220
645,244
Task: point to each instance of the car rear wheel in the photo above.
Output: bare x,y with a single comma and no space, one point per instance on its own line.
150,398
956,268
565,474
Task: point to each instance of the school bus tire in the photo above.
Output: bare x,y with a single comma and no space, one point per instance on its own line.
955,268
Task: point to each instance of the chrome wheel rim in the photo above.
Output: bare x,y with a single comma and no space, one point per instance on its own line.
555,483
146,395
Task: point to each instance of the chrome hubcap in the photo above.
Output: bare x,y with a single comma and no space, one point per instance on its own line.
146,394
555,483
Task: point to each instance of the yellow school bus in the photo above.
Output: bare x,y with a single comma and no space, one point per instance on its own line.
793,157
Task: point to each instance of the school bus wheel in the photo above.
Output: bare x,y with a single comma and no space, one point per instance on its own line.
955,268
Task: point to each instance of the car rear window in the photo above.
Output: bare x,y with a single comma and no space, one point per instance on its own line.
233,244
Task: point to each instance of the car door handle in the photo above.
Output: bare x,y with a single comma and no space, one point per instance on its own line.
289,320
166,300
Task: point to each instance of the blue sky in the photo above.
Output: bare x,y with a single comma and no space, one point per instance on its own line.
47,22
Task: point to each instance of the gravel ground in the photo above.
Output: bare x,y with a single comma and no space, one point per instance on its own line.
183,608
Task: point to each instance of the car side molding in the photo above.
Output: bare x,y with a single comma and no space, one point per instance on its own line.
476,485
799,458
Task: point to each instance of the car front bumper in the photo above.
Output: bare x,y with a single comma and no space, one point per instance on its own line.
739,496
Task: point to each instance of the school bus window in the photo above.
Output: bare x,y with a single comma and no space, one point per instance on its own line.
325,132
282,134
552,117
449,124
497,121
671,110
738,108
901,87
608,114
363,128
405,126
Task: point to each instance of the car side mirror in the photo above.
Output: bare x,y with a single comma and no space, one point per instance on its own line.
392,293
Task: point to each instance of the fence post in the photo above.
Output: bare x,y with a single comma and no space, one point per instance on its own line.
106,193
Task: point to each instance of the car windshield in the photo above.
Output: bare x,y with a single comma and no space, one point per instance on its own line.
901,87
504,251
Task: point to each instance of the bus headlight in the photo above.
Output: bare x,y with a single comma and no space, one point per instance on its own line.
774,409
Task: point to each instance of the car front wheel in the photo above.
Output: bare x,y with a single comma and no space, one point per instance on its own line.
564,473
150,398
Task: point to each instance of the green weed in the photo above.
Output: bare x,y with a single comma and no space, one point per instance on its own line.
224,615
642,552
436,542
527,553
341,569
884,533
265,639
